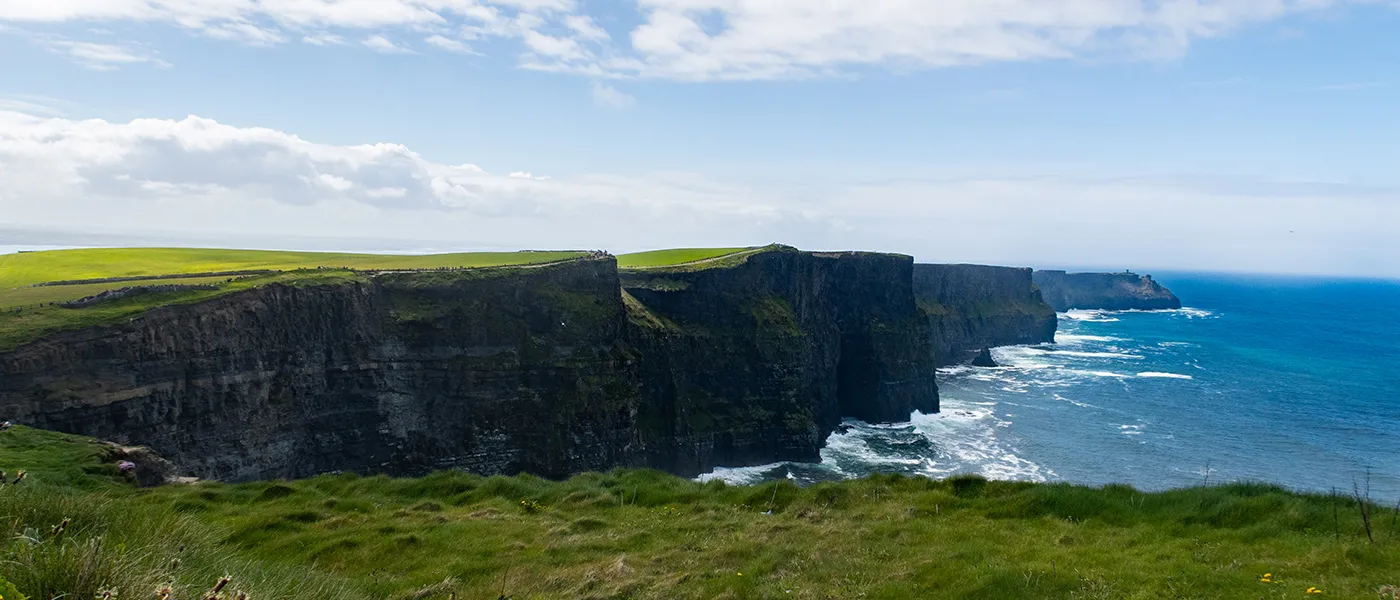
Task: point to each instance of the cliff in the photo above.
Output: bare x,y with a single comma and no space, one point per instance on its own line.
1106,291
548,370
760,361
973,307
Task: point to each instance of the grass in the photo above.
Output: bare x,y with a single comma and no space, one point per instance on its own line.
30,296
674,257
643,534
28,268
31,323
25,314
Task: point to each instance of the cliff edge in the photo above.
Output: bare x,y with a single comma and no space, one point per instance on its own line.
1104,291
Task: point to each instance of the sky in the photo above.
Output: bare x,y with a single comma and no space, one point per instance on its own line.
1189,135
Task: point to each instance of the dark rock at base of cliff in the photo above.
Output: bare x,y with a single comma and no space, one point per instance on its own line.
984,359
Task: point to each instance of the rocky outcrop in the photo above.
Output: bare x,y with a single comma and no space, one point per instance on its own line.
550,370
972,307
1104,291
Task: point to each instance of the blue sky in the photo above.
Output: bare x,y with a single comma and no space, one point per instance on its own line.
1237,135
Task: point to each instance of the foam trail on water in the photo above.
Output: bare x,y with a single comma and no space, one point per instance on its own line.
1076,339
1151,374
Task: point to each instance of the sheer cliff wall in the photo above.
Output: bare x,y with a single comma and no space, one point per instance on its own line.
973,307
550,370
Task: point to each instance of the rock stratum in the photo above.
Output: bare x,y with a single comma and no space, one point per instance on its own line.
1104,291
971,308
550,370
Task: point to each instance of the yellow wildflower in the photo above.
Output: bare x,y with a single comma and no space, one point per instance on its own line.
1313,590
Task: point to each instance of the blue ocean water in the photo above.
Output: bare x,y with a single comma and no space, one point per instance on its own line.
1287,380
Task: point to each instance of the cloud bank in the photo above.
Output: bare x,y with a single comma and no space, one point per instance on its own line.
195,177
713,39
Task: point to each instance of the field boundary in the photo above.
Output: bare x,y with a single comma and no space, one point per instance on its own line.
153,277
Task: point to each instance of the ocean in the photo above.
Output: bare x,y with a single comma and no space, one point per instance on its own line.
1293,381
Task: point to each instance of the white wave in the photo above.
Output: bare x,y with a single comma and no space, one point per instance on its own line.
1089,316
968,433
854,447
1153,374
1074,402
956,370
739,475
1074,338
1097,374
1131,429
1079,354
1175,344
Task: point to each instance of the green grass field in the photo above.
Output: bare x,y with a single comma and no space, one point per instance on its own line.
674,257
642,534
25,313
29,268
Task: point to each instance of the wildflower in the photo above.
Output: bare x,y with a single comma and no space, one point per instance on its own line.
741,574
1313,590
126,466
1267,578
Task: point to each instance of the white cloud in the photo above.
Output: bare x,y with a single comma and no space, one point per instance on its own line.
245,32
448,44
102,57
198,177
607,96
379,43
726,39
323,39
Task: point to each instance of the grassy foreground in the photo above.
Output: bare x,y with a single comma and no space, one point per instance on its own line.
642,534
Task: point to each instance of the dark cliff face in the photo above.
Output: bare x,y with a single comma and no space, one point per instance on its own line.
974,307
762,360
544,370
490,371
1106,291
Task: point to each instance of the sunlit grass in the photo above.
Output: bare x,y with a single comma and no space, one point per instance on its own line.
672,257
643,534
29,268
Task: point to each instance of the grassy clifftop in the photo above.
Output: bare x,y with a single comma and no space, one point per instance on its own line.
28,268
33,285
679,257
642,534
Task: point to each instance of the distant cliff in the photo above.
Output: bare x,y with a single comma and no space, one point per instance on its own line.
973,307
1107,291
550,370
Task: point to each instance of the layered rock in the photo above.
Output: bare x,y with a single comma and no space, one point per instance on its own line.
971,308
1104,291
550,370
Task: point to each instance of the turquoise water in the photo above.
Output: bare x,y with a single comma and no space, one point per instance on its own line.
1286,380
